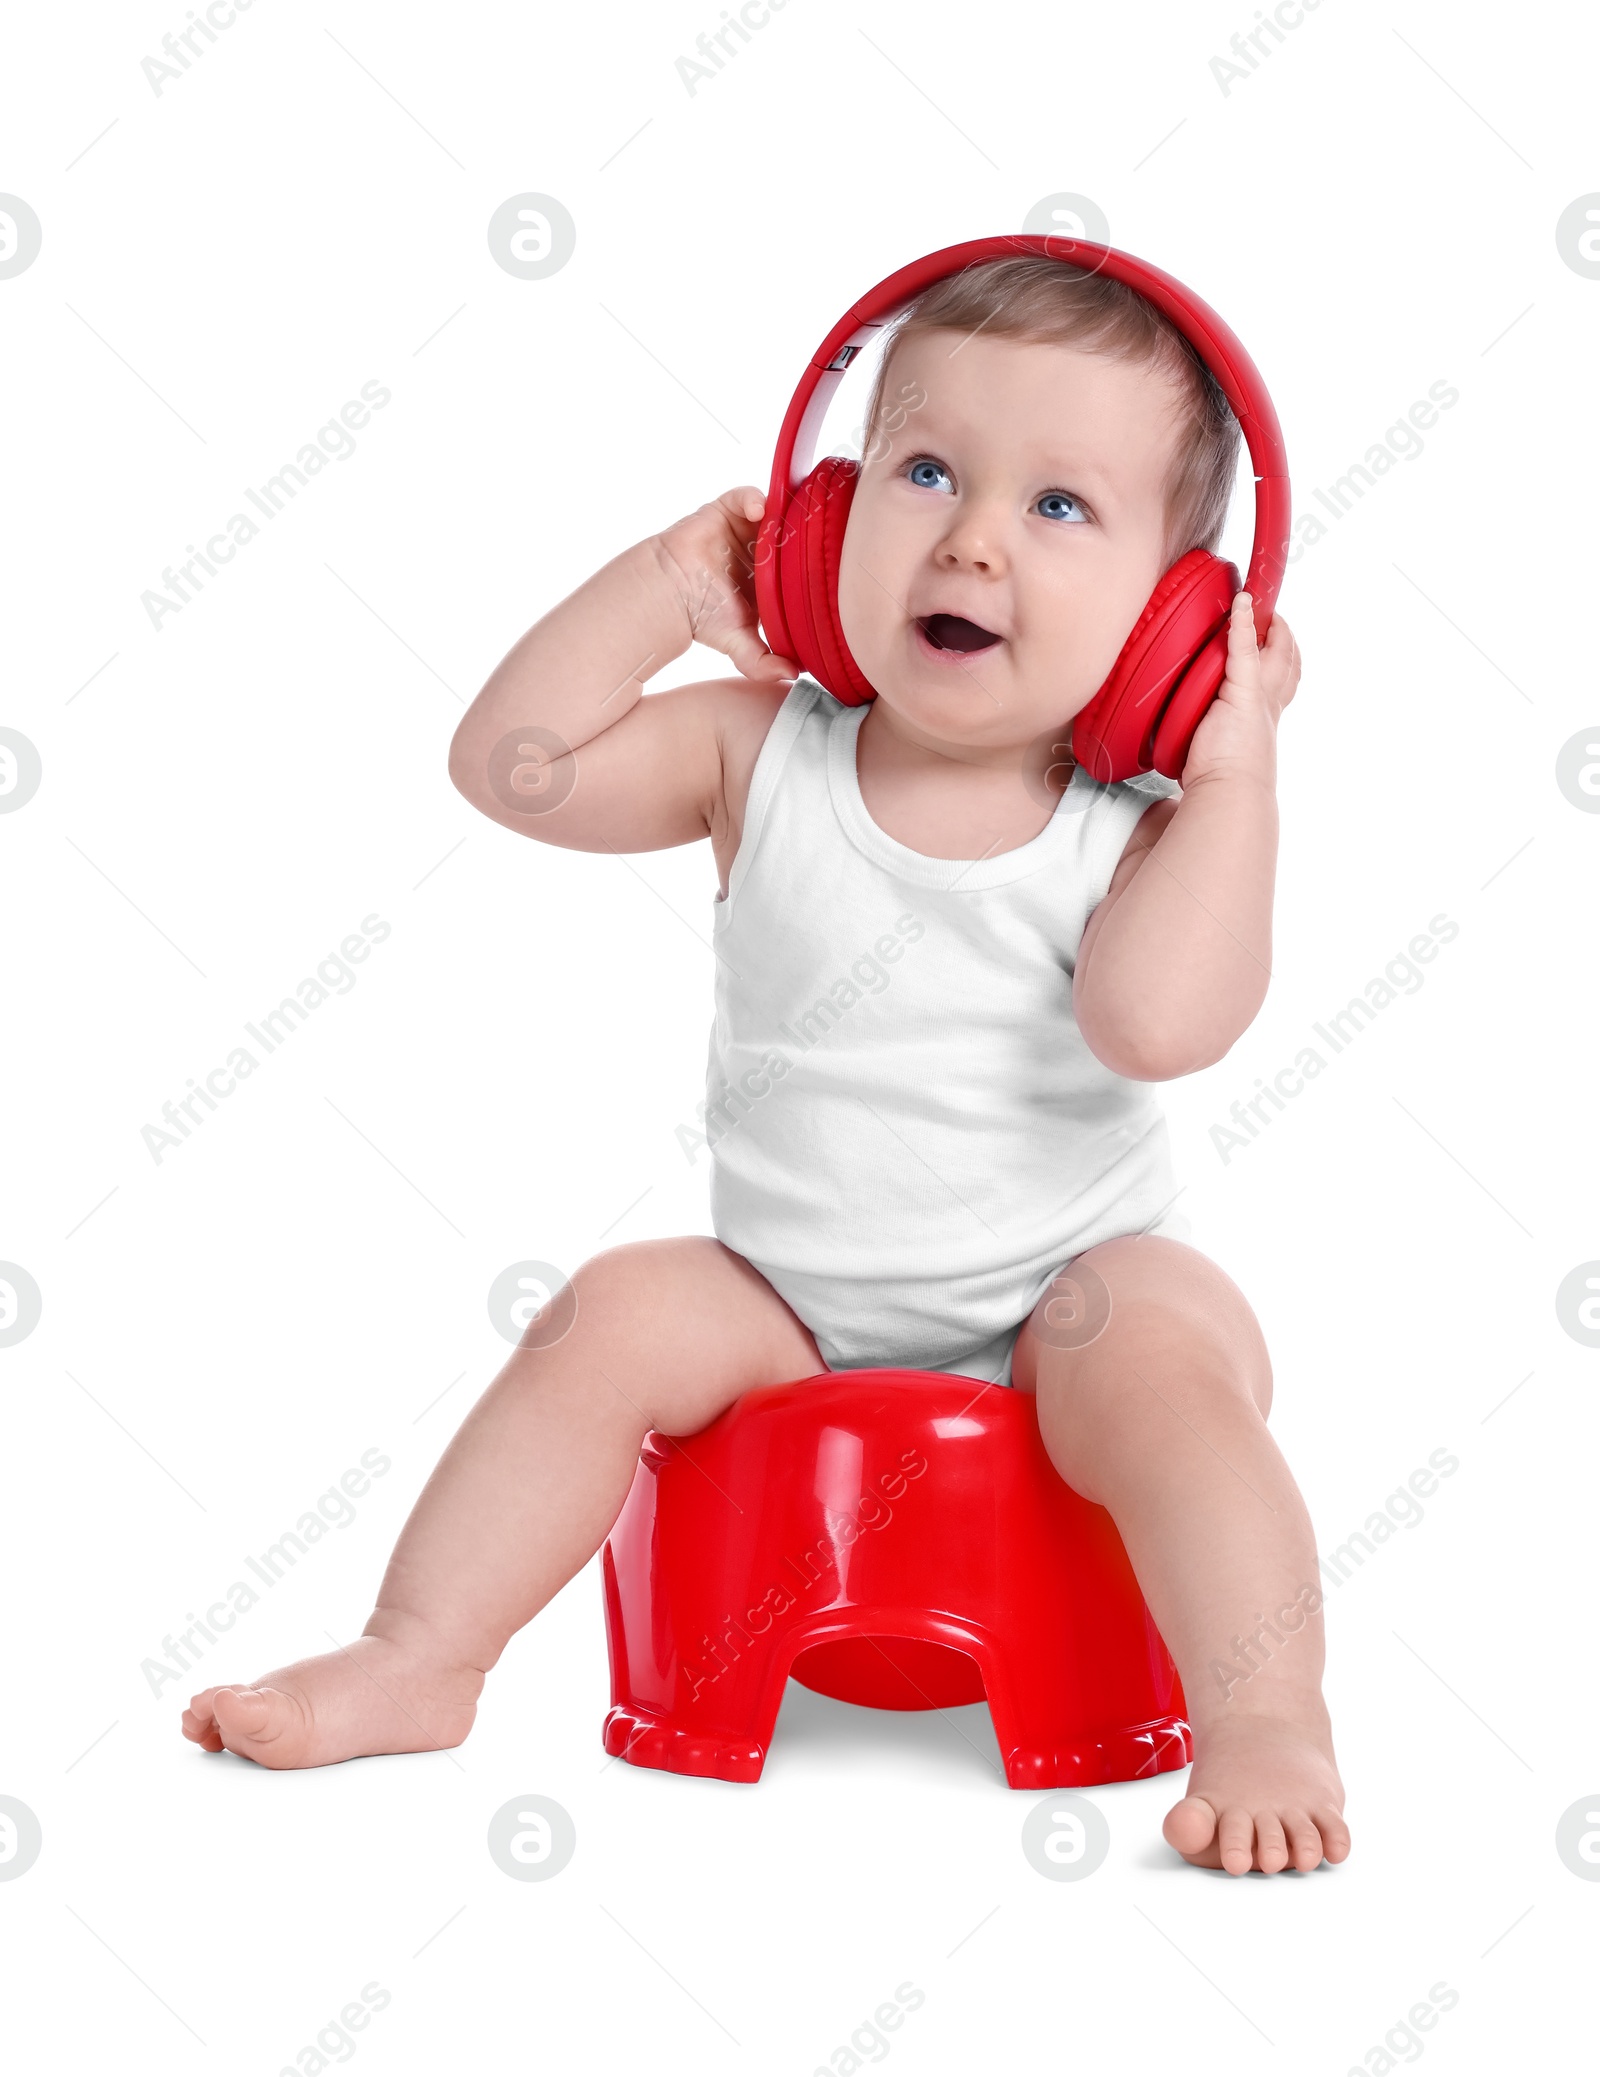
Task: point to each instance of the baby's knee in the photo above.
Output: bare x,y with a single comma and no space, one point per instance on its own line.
1175,1290
645,1278
1157,1272
1128,1313
680,1326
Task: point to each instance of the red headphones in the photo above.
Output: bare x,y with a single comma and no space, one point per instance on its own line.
1171,665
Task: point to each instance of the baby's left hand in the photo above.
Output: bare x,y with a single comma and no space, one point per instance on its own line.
1238,733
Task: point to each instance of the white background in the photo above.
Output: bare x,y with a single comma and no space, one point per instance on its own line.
226,1331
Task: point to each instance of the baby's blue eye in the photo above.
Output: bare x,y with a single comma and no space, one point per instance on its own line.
1055,503
924,482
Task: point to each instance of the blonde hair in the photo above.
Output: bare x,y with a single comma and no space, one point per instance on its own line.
1048,301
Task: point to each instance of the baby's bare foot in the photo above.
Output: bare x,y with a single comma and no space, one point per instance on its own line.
375,1695
1264,1793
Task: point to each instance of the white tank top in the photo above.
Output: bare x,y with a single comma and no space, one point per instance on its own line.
908,1132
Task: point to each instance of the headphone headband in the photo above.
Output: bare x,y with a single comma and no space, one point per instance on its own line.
1205,331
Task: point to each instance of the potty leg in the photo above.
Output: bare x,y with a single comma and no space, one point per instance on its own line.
695,1690
1051,1736
726,1742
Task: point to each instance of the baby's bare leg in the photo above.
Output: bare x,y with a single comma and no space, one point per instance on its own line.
1161,1419
668,1334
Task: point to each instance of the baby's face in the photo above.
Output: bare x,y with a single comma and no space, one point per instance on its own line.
1023,498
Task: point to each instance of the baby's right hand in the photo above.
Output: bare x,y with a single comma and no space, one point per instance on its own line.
708,559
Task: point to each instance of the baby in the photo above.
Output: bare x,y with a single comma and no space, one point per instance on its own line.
949,967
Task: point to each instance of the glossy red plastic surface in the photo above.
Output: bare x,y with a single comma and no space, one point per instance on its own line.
892,1537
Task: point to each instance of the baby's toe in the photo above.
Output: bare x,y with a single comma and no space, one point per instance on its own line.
1190,1826
1272,1848
1236,1840
1305,1840
1335,1834
253,1721
199,1721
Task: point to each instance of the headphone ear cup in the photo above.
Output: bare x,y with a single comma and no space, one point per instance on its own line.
1114,736
810,546
770,616
1181,716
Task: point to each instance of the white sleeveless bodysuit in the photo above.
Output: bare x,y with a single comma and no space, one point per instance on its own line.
909,1135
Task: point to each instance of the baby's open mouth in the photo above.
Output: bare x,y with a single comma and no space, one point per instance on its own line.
950,631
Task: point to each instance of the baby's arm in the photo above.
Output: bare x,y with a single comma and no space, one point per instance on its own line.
634,774
1175,961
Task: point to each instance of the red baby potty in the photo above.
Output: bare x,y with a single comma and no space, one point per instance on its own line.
898,1538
